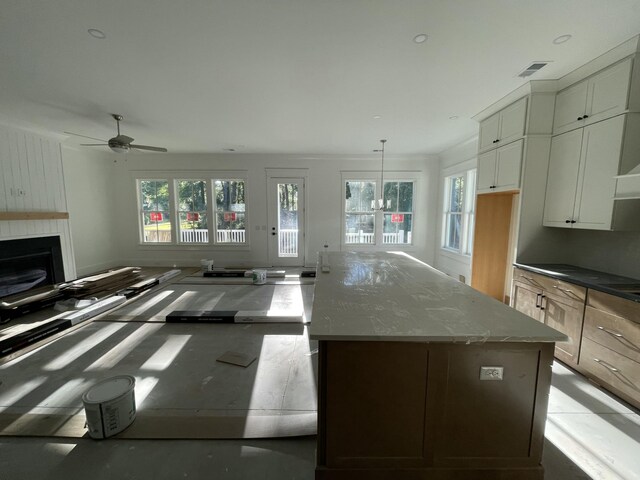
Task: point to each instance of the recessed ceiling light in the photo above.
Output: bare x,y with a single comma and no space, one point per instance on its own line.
453,117
95,33
420,38
562,39
377,117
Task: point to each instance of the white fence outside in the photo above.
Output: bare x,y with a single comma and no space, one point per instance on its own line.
202,236
288,243
362,238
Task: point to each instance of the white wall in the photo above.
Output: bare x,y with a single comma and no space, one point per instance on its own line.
32,180
324,203
90,180
459,158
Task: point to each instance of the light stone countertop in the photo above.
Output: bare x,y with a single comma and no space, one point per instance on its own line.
386,296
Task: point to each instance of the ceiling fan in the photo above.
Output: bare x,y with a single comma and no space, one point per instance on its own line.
120,143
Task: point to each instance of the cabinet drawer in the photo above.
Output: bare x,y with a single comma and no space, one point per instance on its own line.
613,369
616,333
565,290
618,306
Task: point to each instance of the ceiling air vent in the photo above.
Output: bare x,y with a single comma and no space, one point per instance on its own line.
531,69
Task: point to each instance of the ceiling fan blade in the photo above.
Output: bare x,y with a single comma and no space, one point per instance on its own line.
123,139
94,144
85,136
147,147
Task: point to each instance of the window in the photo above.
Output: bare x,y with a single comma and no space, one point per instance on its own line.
208,209
459,215
192,211
230,211
154,211
398,214
365,224
360,219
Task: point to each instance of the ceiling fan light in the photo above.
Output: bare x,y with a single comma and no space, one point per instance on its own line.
119,148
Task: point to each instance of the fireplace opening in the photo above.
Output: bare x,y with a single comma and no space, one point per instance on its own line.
30,263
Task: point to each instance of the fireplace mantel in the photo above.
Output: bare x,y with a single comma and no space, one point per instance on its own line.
6,216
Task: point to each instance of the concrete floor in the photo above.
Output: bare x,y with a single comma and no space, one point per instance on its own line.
590,435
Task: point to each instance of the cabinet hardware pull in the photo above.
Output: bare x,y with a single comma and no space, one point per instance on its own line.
585,116
542,297
573,221
618,335
597,360
538,300
567,221
580,118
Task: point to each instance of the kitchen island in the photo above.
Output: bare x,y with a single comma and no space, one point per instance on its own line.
422,377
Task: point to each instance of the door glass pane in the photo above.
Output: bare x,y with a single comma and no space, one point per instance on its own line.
288,220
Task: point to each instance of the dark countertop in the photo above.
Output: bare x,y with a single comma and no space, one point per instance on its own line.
604,282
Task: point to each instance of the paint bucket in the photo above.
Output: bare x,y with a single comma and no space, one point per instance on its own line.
259,276
207,265
110,406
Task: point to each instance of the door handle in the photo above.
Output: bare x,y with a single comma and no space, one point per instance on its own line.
538,300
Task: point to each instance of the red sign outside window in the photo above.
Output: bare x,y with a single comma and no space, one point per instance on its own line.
229,216
397,217
155,216
193,216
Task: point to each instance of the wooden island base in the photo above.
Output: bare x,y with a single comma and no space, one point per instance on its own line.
419,411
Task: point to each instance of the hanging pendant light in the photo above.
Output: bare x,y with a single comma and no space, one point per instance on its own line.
379,205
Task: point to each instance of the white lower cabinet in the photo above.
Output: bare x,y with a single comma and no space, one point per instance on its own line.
581,181
499,169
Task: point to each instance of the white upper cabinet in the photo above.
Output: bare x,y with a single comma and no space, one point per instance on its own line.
581,181
489,131
503,127
499,169
599,97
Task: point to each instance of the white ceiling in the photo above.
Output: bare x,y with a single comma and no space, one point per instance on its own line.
288,76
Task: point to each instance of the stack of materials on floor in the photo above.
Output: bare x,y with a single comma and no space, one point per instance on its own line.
104,283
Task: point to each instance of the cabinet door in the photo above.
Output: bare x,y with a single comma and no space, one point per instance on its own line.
489,131
562,179
486,171
601,148
571,104
512,121
608,92
566,317
526,299
508,162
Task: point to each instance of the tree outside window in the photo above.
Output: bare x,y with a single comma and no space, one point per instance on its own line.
230,211
192,211
359,217
154,211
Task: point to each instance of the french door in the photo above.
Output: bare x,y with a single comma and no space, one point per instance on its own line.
286,221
